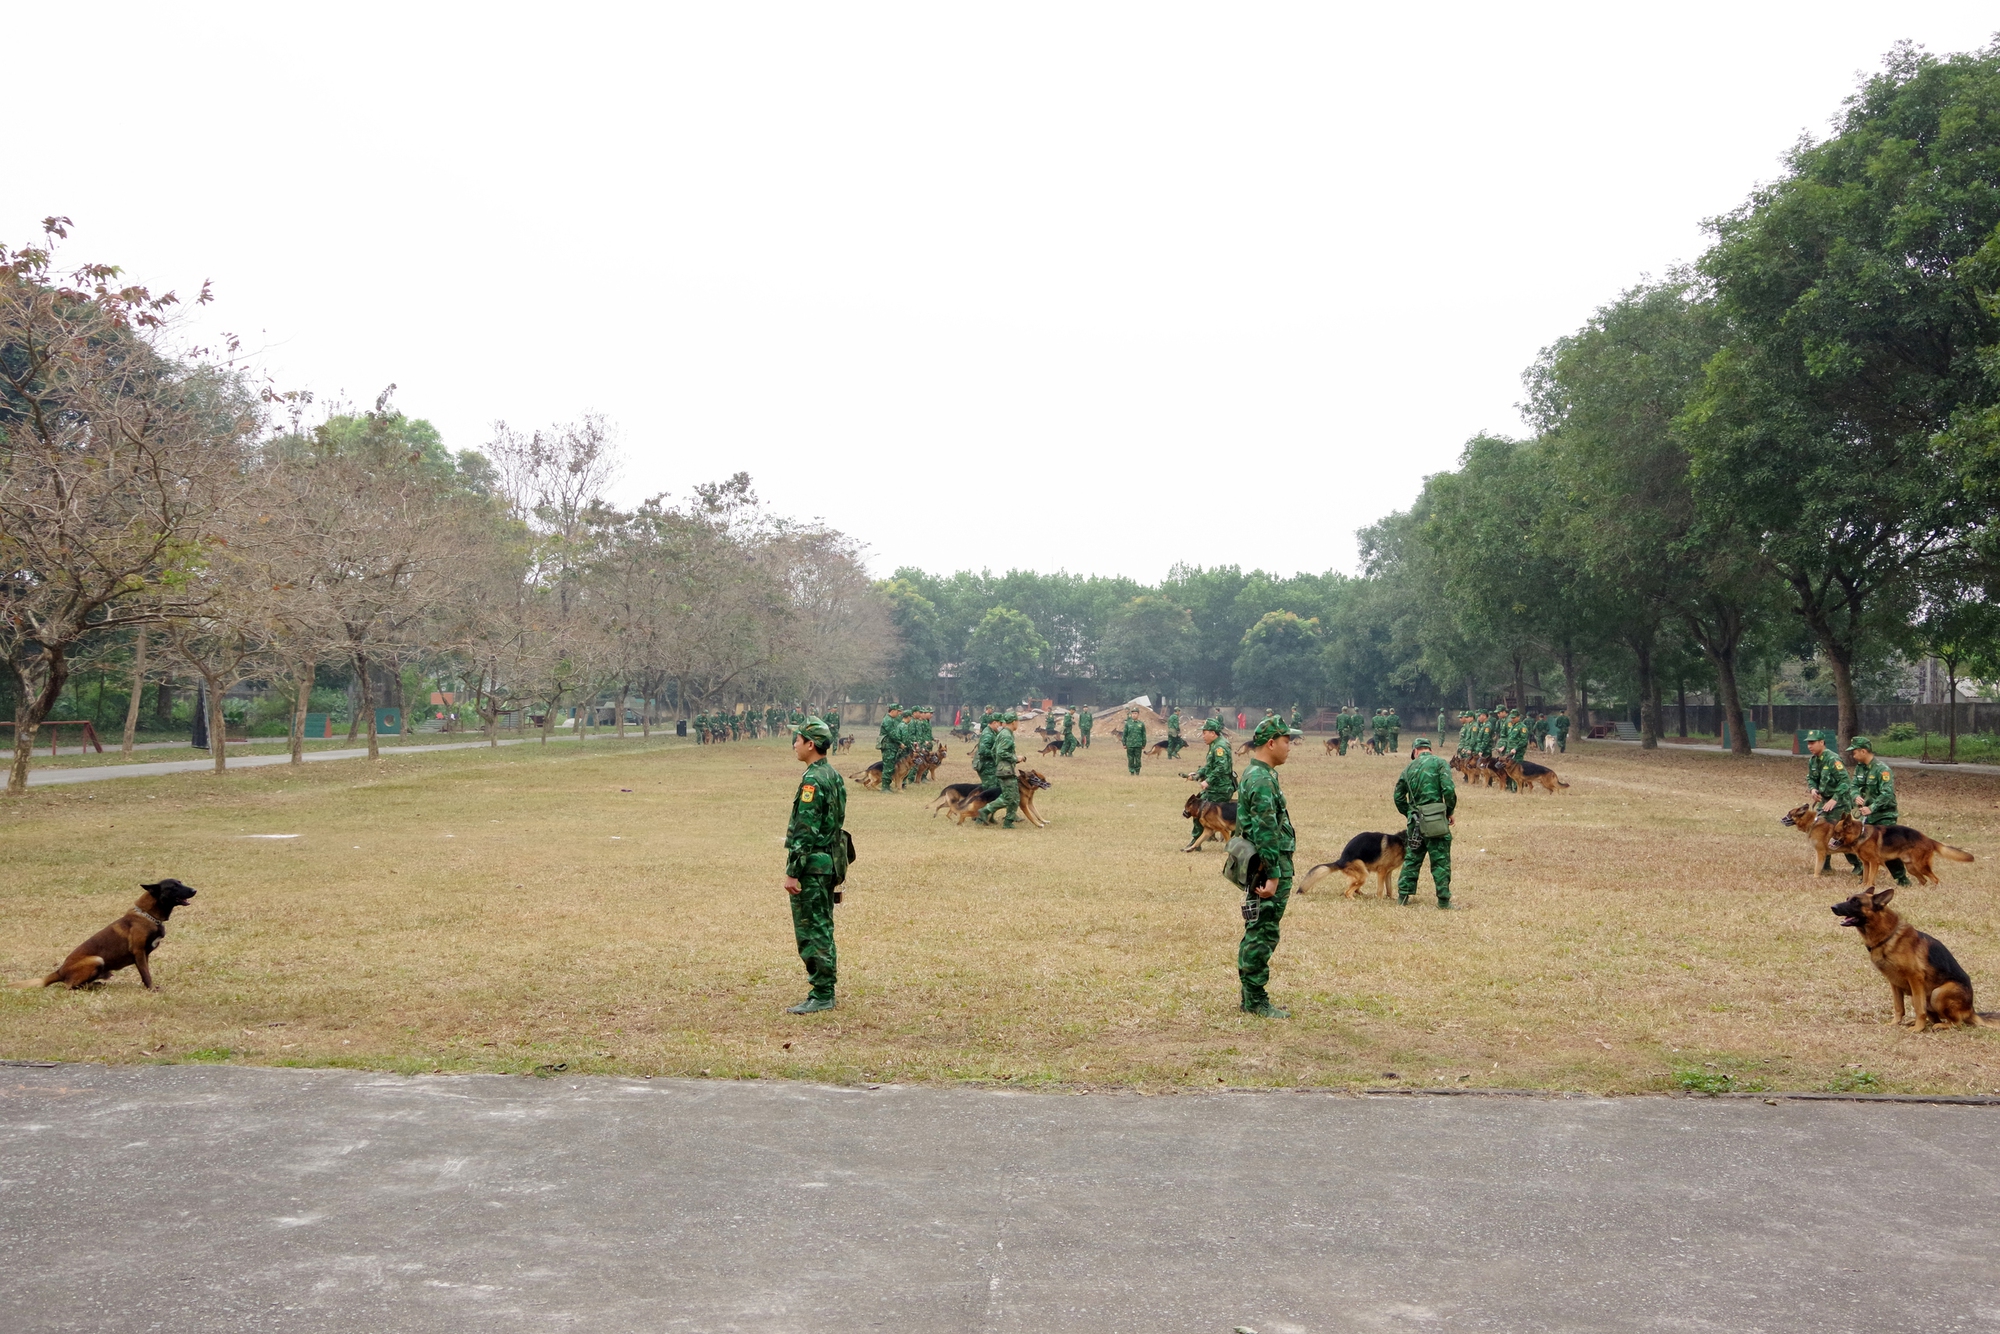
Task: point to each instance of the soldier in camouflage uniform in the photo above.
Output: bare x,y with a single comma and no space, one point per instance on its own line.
1134,737
1560,725
1175,742
1069,734
1827,788
1262,818
890,743
1392,723
815,862
1872,788
917,732
1217,773
1425,780
1001,758
1084,723
832,720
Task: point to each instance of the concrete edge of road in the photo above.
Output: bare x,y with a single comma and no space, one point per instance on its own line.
1545,1095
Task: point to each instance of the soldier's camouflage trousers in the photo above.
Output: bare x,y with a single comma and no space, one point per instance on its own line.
1009,801
1175,745
812,925
1260,938
1131,759
1414,851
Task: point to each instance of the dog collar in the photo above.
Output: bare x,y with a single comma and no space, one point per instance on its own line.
149,917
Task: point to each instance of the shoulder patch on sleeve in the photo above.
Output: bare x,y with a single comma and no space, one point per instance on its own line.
806,793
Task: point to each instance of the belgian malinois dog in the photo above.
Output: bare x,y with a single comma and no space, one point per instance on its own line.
1366,853
1917,965
1218,820
127,942
1876,845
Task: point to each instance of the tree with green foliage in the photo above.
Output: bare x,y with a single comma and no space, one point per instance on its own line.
1003,655
1279,660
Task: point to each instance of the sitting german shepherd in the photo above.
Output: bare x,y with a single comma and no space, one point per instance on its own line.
1366,853
845,744
1218,820
926,762
1808,820
1916,964
1876,845
1525,774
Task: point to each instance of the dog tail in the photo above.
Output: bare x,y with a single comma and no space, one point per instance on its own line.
33,983
1560,783
1317,873
1954,854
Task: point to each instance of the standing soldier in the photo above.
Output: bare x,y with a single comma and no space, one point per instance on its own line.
917,734
1378,726
1350,727
1826,781
1069,734
1392,722
1561,725
1084,722
816,861
982,749
1134,737
832,721
1427,798
1004,777
1217,773
1538,733
1261,818
1174,741
890,743
1874,792
1295,719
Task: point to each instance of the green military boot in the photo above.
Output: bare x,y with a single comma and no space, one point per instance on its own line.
812,1005
1257,1002
1444,901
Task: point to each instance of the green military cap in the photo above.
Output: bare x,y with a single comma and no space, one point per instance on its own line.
1270,728
816,731
1861,743
1815,735
1421,743
1010,717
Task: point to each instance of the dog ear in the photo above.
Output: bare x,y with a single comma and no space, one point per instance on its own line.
153,888
1882,896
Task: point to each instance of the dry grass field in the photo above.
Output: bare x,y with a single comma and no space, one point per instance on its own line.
617,908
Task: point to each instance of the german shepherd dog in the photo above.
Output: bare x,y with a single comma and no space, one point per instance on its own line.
1218,820
1876,845
845,744
1332,744
962,801
1525,774
1917,965
1808,821
129,941
1157,748
1054,747
1379,854
925,762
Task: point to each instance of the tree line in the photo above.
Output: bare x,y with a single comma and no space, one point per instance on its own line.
1788,450
158,504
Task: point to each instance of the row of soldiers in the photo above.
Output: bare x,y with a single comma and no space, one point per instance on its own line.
1385,729
708,728
903,732
1504,731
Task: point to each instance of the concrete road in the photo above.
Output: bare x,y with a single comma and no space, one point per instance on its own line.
205,1199
97,773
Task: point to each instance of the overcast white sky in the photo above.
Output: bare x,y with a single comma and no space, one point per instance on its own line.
1211,283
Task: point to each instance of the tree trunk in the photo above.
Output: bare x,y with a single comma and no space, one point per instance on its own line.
367,703
1951,709
646,719
354,694
1843,692
218,727
1572,704
1649,690
307,669
138,689
1682,687
1520,684
1731,698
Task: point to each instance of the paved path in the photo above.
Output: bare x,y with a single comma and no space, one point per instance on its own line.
1894,761
96,773
206,1200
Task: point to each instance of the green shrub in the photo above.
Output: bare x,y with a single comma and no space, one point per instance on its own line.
1901,732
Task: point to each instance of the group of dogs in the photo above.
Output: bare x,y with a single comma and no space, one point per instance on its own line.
1519,775
1917,966
916,765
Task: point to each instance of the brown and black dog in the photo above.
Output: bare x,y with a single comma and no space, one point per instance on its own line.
1808,820
1917,965
1365,853
1053,747
127,942
1218,820
845,744
963,801
1876,845
1525,774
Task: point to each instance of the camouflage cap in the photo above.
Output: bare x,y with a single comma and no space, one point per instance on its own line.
1270,729
1213,725
1815,735
1421,743
1861,743
816,731
1010,717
